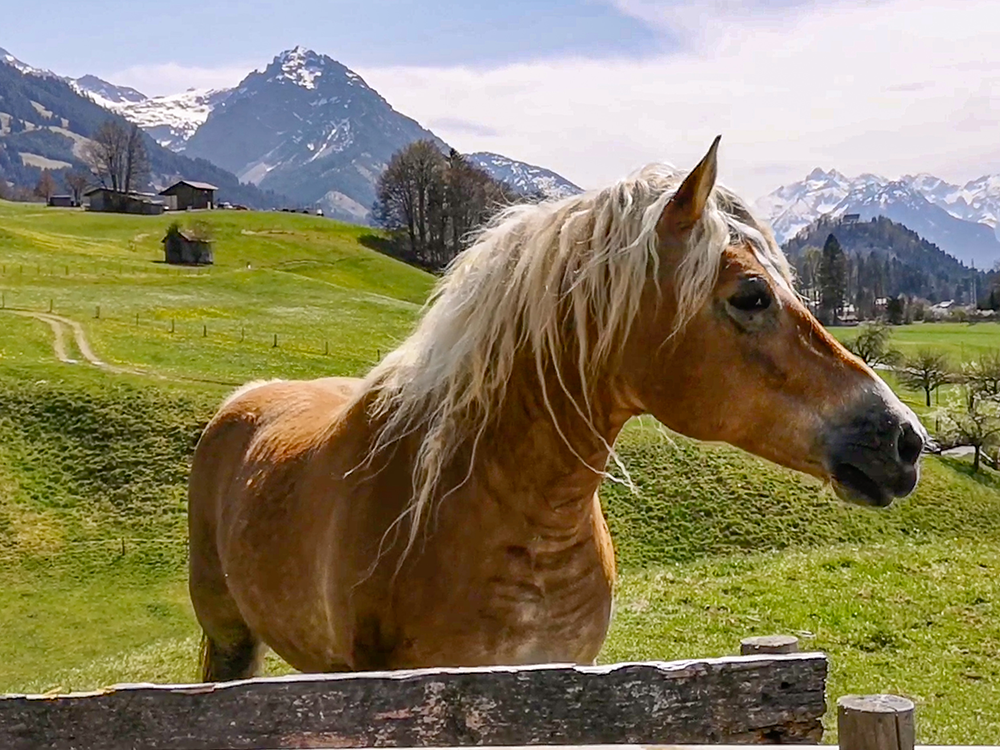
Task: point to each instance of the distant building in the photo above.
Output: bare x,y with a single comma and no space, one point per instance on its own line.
187,194
115,201
62,201
851,218
181,247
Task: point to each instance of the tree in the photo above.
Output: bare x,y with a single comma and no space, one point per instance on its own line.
832,279
895,310
76,182
117,156
46,186
928,370
971,421
431,202
982,376
872,344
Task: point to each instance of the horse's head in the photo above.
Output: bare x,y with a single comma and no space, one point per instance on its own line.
751,366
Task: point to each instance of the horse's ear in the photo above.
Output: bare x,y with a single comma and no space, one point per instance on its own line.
688,203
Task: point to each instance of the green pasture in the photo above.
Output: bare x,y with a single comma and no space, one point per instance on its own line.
715,545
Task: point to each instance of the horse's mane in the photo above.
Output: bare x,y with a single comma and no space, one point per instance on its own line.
543,279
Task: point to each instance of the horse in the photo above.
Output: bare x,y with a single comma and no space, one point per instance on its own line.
443,510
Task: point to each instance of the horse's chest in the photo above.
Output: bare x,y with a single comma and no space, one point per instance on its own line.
544,610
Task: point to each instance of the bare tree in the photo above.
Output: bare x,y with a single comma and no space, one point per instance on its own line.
76,182
46,186
432,202
872,344
928,370
117,156
136,160
983,375
972,421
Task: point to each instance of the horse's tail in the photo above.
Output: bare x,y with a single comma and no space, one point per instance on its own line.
204,659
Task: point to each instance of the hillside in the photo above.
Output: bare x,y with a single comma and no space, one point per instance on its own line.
910,264
716,545
44,123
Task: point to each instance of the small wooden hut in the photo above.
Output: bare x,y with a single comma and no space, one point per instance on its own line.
186,247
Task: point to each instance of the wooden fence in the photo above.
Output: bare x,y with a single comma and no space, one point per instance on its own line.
757,698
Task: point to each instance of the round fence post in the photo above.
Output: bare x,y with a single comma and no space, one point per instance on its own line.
875,722
769,644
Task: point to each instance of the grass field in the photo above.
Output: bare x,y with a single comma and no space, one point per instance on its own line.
960,341
716,546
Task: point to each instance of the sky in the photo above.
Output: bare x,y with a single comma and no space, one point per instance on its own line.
595,89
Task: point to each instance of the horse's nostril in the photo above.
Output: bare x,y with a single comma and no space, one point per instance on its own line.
910,444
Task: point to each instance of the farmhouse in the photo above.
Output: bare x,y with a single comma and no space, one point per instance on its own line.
182,247
187,194
106,199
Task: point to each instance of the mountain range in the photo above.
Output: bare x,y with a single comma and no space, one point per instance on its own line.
307,130
960,220
305,126
45,123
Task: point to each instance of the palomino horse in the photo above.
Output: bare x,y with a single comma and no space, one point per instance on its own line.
443,511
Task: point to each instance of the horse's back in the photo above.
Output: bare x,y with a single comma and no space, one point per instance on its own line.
275,421
242,476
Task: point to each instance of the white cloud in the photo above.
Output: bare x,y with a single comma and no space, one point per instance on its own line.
172,78
894,87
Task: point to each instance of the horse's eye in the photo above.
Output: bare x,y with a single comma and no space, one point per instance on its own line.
753,296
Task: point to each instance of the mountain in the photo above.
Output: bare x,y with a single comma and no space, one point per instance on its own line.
310,128
106,94
8,59
526,179
170,120
890,256
45,123
306,126
961,221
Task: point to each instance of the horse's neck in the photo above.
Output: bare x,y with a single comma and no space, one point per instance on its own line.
542,457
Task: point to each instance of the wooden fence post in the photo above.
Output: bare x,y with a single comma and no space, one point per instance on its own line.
875,722
275,346
769,644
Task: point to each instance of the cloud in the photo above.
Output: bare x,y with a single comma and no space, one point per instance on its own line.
816,85
171,78
444,126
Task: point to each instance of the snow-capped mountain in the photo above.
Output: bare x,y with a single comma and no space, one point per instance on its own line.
526,179
23,67
171,120
45,123
108,95
961,221
309,128
305,126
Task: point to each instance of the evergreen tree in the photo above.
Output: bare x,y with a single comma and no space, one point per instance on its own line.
832,279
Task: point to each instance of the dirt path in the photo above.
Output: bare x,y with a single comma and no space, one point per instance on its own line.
59,325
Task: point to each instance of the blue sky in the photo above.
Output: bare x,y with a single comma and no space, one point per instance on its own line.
596,88
75,39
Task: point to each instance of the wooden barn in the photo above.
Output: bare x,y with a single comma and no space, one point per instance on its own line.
115,201
187,194
183,247
62,201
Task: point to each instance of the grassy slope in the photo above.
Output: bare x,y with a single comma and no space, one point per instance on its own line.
900,598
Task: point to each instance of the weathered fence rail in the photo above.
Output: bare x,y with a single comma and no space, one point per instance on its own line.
747,699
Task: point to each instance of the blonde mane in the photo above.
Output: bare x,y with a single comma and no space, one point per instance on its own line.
543,279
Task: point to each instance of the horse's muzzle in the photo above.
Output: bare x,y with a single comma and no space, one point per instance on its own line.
873,456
